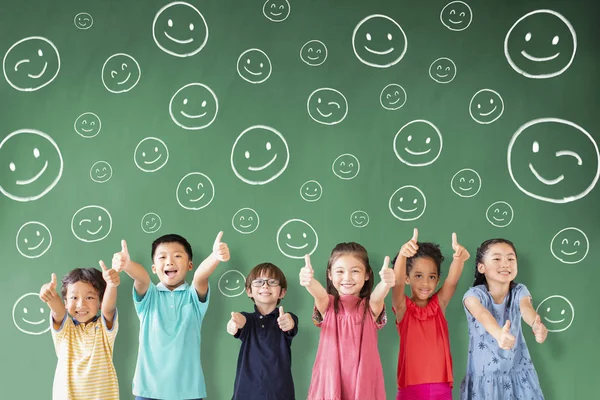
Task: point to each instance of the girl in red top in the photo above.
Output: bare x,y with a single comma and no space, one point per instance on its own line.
424,362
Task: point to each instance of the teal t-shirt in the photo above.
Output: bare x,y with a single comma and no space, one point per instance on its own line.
168,363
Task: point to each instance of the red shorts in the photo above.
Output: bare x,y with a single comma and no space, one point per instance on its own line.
426,391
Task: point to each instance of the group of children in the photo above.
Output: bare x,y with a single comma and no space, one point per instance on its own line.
349,311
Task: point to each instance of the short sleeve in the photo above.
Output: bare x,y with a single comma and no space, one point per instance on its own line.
242,334
59,334
201,306
382,319
141,304
111,333
521,292
478,293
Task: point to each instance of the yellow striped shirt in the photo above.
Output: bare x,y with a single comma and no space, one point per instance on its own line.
85,369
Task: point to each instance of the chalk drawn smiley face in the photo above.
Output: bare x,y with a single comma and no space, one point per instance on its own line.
456,16
87,125
541,44
486,106
30,316
379,41
83,21
466,183
254,66
259,155
570,245
500,214
151,222
101,172
195,191
33,239
407,203
346,166
313,53
31,63
418,143
553,160
91,223
277,10
359,219
179,29
557,313
151,154
232,283
442,70
392,97
245,221
31,165
311,191
327,106
194,106
296,238
120,73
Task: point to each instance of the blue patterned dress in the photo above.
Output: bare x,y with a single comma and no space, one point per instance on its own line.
493,373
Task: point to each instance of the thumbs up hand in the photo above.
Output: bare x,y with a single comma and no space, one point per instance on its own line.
388,277
506,341
539,330
48,290
121,259
285,320
236,323
220,249
460,253
411,247
111,276
307,273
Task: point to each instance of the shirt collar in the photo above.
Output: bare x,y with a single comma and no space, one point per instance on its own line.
75,322
160,286
274,313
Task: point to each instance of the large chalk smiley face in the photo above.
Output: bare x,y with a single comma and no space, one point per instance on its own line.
87,125
466,183
194,106
31,63
31,165
120,73
486,106
277,10
179,29
33,239
541,44
254,66
296,238
456,16
259,155
195,191
553,160
500,214
151,154
407,203
91,223
327,106
83,21
313,53
232,283
379,41
442,70
418,143
30,316
570,245
557,313
101,172
346,166
245,221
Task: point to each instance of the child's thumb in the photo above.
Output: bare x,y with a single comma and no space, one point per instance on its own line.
281,311
506,327
103,266
307,261
537,320
386,263
53,279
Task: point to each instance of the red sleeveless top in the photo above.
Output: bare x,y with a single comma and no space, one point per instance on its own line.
424,345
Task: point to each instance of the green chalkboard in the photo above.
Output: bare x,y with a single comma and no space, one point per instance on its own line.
341,121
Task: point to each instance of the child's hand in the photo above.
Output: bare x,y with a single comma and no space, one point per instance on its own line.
460,253
48,290
410,248
121,259
220,249
506,341
306,273
387,274
539,330
111,276
285,321
235,323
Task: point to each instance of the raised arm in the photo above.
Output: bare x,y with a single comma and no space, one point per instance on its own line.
122,262
505,339
109,300
219,254
49,296
458,262
388,280
314,287
407,250
532,318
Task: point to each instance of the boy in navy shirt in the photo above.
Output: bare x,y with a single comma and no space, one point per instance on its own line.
264,368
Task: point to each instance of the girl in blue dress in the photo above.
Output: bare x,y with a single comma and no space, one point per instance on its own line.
499,366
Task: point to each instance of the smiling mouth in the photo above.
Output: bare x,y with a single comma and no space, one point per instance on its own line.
538,59
379,53
455,22
35,178
186,41
568,254
416,153
465,189
125,80
253,73
311,195
441,76
394,102
95,232
152,227
312,58
345,172
153,161
263,166
486,114
275,14
86,130
101,176
40,243
297,247
198,199
498,219
41,73
33,323
235,288
543,180
406,211
554,322
192,116
245,226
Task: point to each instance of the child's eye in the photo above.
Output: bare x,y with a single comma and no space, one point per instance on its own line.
90,298
418,276
432,278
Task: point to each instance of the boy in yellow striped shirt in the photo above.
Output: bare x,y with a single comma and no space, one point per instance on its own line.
84,341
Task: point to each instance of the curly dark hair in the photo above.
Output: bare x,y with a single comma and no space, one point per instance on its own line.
92,276
427,250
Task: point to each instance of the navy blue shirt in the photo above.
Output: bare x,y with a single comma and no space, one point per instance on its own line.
264,368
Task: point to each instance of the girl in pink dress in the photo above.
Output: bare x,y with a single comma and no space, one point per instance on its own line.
349,313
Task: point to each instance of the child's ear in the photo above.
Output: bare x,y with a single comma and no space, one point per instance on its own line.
249,292
481,268
153,269
190,266
282,293
407,280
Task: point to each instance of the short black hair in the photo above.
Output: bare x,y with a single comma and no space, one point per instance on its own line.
92,276
427,250
172,238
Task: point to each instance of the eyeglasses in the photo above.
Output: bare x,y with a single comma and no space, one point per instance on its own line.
260,282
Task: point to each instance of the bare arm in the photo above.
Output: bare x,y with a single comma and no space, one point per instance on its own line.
313,286
408,249
206,267
49,296
388,280
122,262
458,262
109,300
502,334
